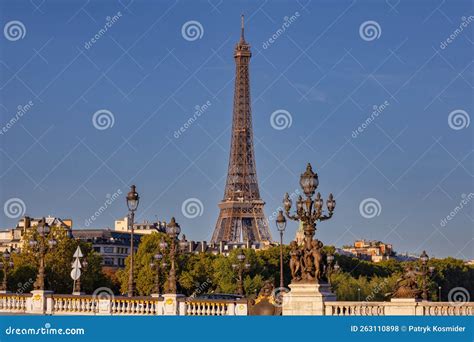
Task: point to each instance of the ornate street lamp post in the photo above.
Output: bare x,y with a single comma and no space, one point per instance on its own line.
156,264
306,265
132,203
424,261
329,259
281,225
5,265
173,229
240,266
44,246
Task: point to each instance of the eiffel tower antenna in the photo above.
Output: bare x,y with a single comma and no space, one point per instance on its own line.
241,217
242,37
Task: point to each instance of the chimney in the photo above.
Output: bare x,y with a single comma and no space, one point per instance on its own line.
203,246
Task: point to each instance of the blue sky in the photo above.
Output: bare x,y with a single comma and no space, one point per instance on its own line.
413,158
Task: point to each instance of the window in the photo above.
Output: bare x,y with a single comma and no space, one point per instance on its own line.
109,261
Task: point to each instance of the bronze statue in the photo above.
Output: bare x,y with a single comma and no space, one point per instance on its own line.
307,262
265,303
407,286
295,264
317,257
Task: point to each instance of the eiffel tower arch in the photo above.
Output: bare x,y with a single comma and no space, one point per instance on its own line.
241,216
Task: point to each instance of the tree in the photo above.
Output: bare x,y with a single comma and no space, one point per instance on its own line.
58,263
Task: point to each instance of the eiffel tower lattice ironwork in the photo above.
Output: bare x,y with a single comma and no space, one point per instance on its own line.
241,217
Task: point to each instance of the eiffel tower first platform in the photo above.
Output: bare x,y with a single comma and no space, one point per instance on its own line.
241,217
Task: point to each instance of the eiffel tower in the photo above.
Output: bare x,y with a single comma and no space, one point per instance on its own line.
241,217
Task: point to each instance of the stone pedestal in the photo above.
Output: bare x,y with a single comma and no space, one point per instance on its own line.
4,291
307,299
40,302
78,293
402,307
171,304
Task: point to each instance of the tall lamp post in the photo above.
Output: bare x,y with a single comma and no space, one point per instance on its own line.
5,265
240,266
44,246
281,225
132,203
173,229
330,259
424,261
309,211
156,264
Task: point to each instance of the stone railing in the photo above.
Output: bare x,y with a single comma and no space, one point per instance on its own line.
77,305
354,308
135,306
398,307
207,307
47,303
13,303
446,309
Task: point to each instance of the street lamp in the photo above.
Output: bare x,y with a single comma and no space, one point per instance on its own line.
5,265
132,203
173,229
330,259
309,211
424,260
281,225
156,264
44,247
240,266
358,294
439,293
